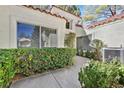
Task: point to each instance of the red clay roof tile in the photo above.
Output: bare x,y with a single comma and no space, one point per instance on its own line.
65,11
108,20
79,25
44,11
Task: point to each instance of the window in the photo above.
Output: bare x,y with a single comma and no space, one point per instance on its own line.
69,24
48,37
27,35
30,36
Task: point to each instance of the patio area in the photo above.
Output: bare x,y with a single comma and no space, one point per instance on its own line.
64,78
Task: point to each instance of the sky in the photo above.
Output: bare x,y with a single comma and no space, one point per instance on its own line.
81,8
25,28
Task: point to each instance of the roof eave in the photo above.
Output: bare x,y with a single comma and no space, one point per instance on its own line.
64,11
44,11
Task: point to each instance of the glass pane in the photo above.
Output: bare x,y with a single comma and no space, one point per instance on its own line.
110,54
48,37
27,35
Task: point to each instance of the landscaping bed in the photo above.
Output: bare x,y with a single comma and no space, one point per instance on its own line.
100,74
31,61
88,54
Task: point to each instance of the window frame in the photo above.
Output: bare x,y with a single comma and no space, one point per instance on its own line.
40,30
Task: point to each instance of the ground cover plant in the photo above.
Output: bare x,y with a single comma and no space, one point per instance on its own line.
31,61
100,74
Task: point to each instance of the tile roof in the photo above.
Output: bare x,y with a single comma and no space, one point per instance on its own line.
65,11
108,20
44,11
79,25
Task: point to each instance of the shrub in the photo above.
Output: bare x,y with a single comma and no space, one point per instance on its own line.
100,74
121,74
7,71
88,53
70,40
31,61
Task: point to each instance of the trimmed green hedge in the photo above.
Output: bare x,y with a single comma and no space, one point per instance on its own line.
7,71
30,61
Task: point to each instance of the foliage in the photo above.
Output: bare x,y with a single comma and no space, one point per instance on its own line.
101,74
88,54
100,9
7,71
71,9
88,17
121,74
70,40
101,12
97,45
29,61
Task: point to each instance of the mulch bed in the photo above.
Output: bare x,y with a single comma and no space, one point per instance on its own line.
18,77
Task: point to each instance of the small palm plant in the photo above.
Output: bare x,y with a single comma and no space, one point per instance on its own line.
97,45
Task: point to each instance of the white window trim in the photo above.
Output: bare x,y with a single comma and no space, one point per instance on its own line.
13,29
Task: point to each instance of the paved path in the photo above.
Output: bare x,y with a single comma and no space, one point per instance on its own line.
64,78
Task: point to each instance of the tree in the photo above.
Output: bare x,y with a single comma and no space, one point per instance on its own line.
88,17
71,9
100,12
89,14
107,10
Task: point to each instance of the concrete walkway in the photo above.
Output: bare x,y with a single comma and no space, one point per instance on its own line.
64,78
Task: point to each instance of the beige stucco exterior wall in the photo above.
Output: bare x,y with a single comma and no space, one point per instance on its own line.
112,34
68,16
80,32
10,15
77,30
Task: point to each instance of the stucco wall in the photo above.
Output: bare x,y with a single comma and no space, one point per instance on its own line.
10,15
80,32
67,15
77,30
112,34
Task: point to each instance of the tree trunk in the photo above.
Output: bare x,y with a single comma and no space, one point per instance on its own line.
112,9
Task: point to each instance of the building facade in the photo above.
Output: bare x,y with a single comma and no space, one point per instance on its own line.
27,26
110,31
30,26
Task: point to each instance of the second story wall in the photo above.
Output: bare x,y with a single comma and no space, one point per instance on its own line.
80,32
70,17
11,15
112,34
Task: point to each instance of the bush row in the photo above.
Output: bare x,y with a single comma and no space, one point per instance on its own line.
102,75
7,70
31,61
87,53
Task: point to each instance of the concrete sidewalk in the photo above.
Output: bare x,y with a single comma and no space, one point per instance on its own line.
64,78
